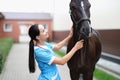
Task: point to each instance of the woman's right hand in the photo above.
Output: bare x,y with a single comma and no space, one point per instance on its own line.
79,44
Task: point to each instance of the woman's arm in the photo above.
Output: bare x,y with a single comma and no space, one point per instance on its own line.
68,56
63,42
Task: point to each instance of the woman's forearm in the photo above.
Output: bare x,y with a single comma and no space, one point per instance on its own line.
66,58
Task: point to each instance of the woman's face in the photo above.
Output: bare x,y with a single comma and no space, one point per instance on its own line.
43,33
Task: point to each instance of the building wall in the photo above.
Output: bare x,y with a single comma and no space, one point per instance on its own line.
1,27
105,14
61,16
60,35
110,40
16,29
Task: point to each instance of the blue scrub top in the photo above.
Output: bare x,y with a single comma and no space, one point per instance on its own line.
44,56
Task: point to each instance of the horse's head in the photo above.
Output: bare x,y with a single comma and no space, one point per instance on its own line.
80,14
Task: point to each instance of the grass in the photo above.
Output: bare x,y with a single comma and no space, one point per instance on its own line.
101,75
98,74
60,53
5,46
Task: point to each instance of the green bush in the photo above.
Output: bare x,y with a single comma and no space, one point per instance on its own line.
5,46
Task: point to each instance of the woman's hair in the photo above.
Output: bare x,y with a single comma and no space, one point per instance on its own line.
33,32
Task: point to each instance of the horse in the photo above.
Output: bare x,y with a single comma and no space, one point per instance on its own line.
82,64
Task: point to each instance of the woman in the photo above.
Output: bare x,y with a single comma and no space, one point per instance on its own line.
44,55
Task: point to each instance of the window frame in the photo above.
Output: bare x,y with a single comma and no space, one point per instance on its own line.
7,27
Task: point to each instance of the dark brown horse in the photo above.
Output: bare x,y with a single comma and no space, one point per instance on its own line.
84,61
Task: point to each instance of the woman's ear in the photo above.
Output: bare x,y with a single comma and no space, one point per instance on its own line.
37,37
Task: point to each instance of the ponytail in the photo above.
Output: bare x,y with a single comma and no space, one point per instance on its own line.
33,32
31,57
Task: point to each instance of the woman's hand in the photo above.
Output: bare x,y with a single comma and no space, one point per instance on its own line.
79,44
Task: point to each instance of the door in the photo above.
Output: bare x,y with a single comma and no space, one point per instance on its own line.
23,37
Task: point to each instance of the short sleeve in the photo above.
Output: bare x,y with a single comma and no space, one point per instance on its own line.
44,56
49,45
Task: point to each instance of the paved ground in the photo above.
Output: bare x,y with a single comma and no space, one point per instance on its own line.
16,67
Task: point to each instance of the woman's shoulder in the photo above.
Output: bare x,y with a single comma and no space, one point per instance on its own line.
49,45
39,48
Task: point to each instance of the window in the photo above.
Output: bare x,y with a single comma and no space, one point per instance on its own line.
7,27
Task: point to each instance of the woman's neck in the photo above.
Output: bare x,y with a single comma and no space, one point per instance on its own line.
40,43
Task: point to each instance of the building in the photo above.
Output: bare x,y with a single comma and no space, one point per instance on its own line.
16,25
